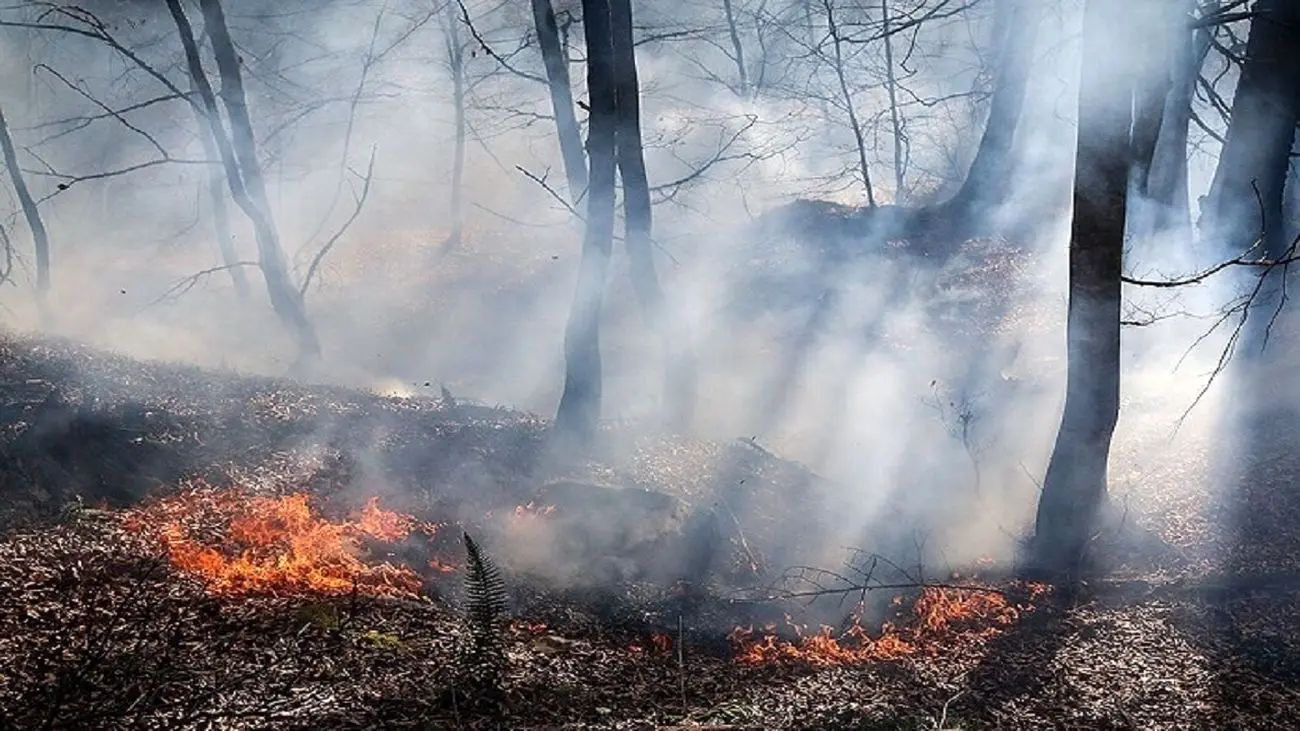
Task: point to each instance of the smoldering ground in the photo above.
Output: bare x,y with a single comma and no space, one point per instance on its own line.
926,392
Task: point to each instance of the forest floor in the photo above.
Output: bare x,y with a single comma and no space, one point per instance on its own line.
107,621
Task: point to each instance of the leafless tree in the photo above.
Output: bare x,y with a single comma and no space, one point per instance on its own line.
679,380
456,66
32,213
578,413
1074,487
239,158
556,63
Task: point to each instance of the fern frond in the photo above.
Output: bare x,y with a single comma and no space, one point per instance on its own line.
485,591
483,658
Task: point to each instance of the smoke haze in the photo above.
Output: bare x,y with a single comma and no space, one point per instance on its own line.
897,392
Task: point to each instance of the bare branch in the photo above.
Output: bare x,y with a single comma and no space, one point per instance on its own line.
356,211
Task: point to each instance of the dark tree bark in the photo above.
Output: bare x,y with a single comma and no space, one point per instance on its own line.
578,414
1245,204
557,79
456,64
1074,488
680,369
32,213
1245,198
988,182
1166,180
243,169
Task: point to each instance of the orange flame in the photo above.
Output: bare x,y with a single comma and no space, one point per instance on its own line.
276,545
941,616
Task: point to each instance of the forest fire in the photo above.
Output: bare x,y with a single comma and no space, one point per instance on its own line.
939,617
244,545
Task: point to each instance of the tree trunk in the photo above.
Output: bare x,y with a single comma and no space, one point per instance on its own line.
679,375
988,182
220,214
1246,194
1167,179
557,78
737,49
456,64
285,300
855,126
1153,65
40,237
896,122
1074,488
1246,199
578,414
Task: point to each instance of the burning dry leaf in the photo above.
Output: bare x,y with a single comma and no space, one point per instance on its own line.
240,544
941,616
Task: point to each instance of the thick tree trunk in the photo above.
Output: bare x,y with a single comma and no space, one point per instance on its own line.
578,414
557,78
1074,488
1246,194
1167,179
456,64
988,182
680,375
1245,203
285,300
40,237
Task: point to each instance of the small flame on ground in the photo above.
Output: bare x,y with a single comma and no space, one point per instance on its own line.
242,545
940,616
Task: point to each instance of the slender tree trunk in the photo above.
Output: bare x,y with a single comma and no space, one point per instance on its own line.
220,214
1074,488
810,30
737,49
1246,194
456,64
40,237
1291,206
679,374
243,170
859,137
556,63
896,122
578,414
1167,180
988,182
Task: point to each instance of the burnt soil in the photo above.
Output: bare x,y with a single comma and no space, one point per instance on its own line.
98,631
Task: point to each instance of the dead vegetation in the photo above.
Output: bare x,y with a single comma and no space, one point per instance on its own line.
109,624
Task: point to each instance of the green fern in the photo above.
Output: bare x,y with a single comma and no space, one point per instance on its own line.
483,661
